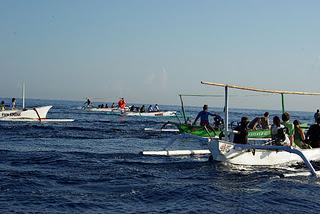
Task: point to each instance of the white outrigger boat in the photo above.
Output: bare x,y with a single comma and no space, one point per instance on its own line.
259,155
151,114
252,154
109,110
31,114
38,113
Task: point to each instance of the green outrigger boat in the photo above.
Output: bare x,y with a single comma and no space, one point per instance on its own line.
202,132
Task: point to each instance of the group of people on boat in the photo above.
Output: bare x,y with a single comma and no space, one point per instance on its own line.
121,104
142,109
12,107
285,132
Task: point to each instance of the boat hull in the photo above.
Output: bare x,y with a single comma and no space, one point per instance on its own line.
37,113
152,114
227,152
201,132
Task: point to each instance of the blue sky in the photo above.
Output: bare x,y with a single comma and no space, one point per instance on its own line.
149,51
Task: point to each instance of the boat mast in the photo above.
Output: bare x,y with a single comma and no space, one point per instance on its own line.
23,94
226,111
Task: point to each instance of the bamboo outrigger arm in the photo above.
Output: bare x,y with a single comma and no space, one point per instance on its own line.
261,90
282,93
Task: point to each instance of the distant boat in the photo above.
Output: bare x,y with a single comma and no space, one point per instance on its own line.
31,114
38,113
151,114
110,110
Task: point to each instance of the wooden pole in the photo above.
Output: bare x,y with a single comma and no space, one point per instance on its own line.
226,112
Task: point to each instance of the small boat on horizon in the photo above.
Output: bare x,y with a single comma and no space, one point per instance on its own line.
28,114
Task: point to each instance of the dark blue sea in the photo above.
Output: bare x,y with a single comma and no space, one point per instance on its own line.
94,165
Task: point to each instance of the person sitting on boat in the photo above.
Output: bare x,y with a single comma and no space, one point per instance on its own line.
278,133
112,105
204,117
241,135
290,127
13,103
316,116
150,109
142,109
299,136
2,106
265,121
255,123
313,134
122,104
106,106
156,108
218,121
132,108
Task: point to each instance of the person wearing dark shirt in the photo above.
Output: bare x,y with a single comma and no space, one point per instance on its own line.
142,109
241,137
255,123
204,116
316,115
313,134
265,121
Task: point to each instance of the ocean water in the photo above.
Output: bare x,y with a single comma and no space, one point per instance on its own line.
94,165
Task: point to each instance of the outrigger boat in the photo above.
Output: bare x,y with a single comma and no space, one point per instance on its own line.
108,110
185,128
151,114
126,112
32,114
252,154
225,150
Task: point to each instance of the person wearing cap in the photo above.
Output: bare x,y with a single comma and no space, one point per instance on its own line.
204,117
241,135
